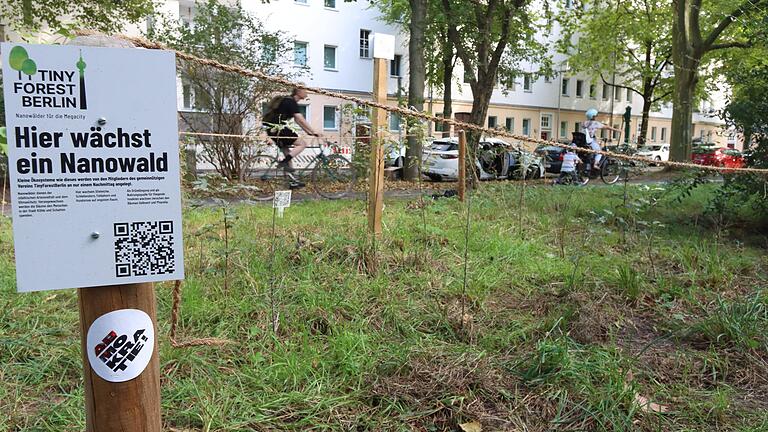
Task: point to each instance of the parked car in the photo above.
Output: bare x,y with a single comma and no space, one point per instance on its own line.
553,157
496,159
394,153
722,157
656,152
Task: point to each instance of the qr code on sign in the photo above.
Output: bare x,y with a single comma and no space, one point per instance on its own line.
144,248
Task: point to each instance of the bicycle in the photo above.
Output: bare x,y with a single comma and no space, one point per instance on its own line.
331,174
609,169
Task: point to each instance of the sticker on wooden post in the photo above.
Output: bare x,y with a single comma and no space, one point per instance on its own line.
120,344
281,201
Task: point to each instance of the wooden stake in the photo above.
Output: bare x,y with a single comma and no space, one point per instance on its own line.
379,121
462,164
120,406
132,405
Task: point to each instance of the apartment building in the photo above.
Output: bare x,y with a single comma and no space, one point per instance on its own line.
332,43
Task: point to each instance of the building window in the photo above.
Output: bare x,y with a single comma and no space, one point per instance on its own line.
614,134
329,57
592,91
394,122
546,122
663,134
365,46
438,123
617,94
300,53
509,124
629,95
329,118
577,126
527,84
563,129
331,4
579,88
186,91
653,134
527,127
304,111
492,121
394,66
467,75
301,1
564,91
602,133
606,91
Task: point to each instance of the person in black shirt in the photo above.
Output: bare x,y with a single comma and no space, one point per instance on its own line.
281,111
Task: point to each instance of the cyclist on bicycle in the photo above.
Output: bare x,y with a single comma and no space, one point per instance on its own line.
590,128
281,110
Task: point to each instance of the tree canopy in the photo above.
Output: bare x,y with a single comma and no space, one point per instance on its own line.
102,15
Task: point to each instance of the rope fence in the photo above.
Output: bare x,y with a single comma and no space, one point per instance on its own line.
144,43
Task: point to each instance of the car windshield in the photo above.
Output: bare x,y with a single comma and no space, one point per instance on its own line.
549,148
444,146
703,150
650,148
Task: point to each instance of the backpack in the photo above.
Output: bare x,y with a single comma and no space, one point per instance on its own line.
271,116
580,139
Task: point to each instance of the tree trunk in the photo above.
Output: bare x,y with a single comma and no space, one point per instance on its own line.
482,98
447,86
648,90
682,113
416,78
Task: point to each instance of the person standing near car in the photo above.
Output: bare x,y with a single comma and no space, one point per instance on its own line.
590,128
281,110
568,168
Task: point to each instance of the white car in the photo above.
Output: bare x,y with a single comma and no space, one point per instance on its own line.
497,159
656,152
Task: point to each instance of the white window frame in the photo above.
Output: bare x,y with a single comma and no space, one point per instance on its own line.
306,53
528,83
398,60
511,122
495,121
663,134
563,128
548,127
629,95
653,133
335,117
335,63
528,132
364,44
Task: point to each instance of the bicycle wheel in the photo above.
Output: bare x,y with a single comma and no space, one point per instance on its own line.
268,178
333,178
610,170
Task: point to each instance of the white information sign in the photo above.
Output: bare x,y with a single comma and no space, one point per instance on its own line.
94,165
120,344
281,200
384,46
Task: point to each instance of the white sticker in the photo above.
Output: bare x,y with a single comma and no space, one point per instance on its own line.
120,344
282,199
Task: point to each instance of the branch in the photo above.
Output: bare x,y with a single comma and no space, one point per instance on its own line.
453,36
727,21
734,44
663,96
618,85
502,44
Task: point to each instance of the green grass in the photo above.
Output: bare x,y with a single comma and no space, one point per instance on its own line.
371,335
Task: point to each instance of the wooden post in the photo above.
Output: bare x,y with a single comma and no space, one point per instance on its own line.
132,405
379,122
120,406
462,164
